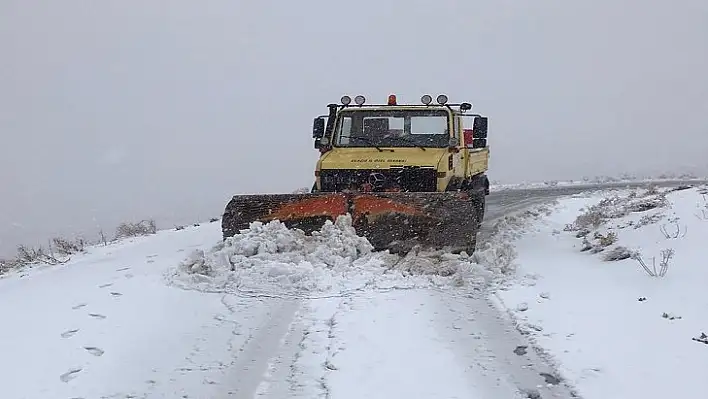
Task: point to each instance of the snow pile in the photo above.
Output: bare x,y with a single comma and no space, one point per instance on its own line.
612,287
273,255
270,259
495,245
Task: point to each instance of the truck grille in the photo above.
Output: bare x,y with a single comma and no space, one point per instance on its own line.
407,179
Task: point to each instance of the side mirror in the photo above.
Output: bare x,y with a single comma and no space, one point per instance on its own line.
318,128
480,127
479,143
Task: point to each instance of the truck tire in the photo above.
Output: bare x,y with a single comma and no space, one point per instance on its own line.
481,208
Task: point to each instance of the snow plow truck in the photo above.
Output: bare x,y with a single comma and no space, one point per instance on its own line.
410,175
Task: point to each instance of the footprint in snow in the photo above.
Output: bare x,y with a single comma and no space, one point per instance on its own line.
520,350
532,394
97,315
105,285
79,306
69,333
122,269
550,379
116,293
94,350
70,375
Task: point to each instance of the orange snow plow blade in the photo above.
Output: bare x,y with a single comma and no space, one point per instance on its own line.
390,221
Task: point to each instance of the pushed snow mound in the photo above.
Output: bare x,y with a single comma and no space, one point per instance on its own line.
270,259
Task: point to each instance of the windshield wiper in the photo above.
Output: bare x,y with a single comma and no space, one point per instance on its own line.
409,142
365,140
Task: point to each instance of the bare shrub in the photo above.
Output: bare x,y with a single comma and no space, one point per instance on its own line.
30,255
617,207
666,256
7,265
67,247
605,240
103,238
592,218
64,248
617,253
648,219
142,228
703,208
652,190
675,231
647,204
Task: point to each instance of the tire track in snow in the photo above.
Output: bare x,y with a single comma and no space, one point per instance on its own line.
265,342
313,360
487,340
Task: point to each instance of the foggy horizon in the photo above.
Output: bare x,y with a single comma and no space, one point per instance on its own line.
123,110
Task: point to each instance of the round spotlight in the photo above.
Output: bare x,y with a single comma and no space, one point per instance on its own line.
359,100
346,100
442,99
426,99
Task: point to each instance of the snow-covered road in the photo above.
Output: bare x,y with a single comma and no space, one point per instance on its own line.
402,343
273,314
312,321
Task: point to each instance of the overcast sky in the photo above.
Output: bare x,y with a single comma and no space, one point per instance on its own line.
116,109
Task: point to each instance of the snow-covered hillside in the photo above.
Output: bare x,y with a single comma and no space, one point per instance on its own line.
615,328
274,314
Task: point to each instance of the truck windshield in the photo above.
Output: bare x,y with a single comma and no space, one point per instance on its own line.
392,128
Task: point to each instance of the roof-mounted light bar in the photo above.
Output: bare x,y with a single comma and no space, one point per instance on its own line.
358,100
426,99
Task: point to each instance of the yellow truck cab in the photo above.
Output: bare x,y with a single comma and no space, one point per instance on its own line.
401,148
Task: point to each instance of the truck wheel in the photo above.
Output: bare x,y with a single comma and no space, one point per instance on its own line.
481,208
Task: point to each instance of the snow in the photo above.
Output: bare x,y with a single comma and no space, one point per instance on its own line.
599,180
272,313
106,325
612,329
268,313
271,259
